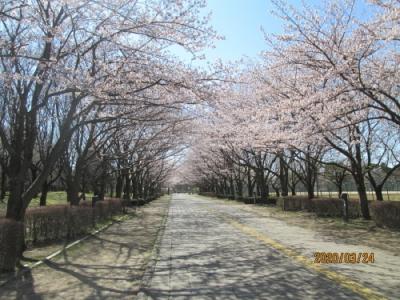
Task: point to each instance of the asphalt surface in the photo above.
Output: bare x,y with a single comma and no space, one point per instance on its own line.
193,247
213,250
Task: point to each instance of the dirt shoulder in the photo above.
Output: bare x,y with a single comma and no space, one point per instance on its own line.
357,231
108,265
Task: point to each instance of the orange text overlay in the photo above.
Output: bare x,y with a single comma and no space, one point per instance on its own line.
344,257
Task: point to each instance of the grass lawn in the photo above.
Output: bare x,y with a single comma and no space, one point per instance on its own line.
53,198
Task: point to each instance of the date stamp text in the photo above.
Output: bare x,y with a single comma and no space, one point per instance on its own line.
344,257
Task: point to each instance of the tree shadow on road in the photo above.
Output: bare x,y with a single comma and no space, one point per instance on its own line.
107,266
244,273
22,287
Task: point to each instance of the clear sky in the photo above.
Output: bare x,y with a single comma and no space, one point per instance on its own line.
240,21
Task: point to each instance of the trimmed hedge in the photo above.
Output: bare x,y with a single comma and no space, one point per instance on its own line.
11,235
258,200
328,207
269,200
141,201
58,222
291,203
307,204
386,213
207,194
248,200
54,222
331,207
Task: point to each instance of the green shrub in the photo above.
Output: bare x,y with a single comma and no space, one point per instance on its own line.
386,213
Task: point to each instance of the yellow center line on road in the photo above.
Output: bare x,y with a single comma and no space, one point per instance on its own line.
342,280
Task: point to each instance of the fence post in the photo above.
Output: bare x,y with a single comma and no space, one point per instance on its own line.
345,199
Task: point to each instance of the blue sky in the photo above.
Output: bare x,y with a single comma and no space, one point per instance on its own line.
240,21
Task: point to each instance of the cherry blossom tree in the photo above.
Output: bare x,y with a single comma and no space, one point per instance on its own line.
81,66
92,66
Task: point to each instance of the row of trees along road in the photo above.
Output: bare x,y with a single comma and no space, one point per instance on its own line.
325,97
92,97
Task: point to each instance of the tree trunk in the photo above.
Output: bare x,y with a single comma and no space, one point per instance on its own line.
127,190
261,184
340,190
239,185
3,184
378,192
17,177
360,182
310,176
83,195
310,191
232,187
34,172
111,194
283,176
249,184
43,194
118,187
140,186
226,189
103,178
134,187
72,191
277,192
362,193
16,211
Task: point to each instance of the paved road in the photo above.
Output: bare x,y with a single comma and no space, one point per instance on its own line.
208,249
213,250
